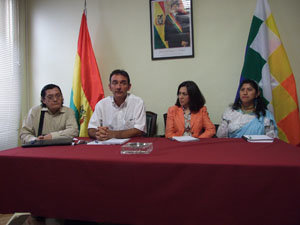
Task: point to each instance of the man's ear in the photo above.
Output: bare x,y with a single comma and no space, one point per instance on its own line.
43,100
129,86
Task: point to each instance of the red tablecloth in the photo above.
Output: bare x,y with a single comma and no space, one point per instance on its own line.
213,181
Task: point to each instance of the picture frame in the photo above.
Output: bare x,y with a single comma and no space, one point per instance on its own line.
171,25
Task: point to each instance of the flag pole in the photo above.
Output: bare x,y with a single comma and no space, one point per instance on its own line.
87,87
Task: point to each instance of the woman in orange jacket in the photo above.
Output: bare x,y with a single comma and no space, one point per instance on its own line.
189,117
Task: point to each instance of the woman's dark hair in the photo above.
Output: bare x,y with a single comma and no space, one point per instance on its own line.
43,92
260,106
197,100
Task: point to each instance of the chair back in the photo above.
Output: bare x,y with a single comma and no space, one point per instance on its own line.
151,118
165,119
217,126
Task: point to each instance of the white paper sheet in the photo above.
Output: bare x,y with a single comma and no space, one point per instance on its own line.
258,138
112,141
185,138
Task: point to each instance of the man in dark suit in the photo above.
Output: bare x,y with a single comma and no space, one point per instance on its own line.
177,27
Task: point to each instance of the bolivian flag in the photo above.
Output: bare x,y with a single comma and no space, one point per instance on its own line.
267,63
87,87
159,25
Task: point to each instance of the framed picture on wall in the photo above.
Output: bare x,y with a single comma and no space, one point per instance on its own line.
171,25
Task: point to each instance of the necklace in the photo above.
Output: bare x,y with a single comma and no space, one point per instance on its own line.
248,110
186,111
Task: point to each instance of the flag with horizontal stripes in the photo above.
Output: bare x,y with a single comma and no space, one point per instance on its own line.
87,87
267,63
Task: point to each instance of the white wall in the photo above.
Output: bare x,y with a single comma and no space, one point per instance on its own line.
120,33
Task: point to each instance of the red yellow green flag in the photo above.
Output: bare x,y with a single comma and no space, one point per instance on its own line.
159,25
176,24
87,87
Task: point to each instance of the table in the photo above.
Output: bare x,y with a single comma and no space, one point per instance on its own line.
213,181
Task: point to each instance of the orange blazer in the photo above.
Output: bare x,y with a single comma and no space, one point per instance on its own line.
199,121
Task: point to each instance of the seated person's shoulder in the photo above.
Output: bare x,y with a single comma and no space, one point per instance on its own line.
173,108
134,97
66,109
269,114
135,101
229,109
105,100
229,112
35,109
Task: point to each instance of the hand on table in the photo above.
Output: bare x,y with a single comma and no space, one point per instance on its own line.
44,137
103,133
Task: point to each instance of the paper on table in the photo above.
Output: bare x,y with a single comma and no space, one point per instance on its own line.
185,138
258,138
112,141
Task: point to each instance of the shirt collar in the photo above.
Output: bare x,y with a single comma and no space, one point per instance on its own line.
61,110
124,104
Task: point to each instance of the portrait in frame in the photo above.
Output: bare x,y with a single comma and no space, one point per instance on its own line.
171,24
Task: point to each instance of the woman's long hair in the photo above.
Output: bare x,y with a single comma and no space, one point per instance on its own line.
260,106
196,98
